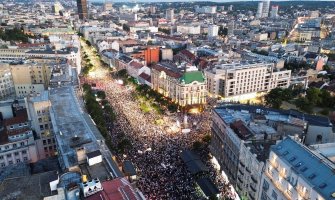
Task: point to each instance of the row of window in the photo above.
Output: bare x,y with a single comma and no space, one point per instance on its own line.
13,146
11,162
24,152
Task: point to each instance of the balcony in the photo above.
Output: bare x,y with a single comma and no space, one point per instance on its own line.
242,164
251,196
241,172
248,170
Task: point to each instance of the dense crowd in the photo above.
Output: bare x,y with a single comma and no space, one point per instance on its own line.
154,151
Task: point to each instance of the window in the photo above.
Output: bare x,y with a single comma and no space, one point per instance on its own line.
24,152
18,160
16,153
25,158
22,143
265,185
45,149
44,142
9,155
14,145
41,127
1,157
10,162
39,119
274,195
49,141
3,164
50,147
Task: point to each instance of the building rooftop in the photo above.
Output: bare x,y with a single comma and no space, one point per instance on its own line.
71,129
316,169
10,189
190,77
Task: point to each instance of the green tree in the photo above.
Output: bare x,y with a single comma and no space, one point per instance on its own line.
276,97
313,96
304,105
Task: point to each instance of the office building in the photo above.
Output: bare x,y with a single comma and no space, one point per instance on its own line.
169,15
259,13
82,9
186,88
266,8
191,29
274,11
239,81
57,7
206,9
294,171
213,31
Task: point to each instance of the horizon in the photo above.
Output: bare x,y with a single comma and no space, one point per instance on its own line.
215,1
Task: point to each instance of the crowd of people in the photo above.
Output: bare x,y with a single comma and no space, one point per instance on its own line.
154,151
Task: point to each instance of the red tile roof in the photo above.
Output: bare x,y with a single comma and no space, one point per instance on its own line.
168,72
145,76
136,65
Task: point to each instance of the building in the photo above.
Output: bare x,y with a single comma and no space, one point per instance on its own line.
82,9
191,29
239,81
274,12
259,13
108,5
169,15
167,54
266,8
151,55
7,89
30,78
294,171
213,31
184,87
242,137
38,106
17,143
57,7
206,9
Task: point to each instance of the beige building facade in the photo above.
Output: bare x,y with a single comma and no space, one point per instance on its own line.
238,79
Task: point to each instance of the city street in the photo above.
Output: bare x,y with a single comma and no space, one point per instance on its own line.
155,149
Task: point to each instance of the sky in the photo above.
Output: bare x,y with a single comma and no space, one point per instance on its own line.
221,1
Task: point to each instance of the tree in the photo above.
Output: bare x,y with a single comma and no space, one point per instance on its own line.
276,97
125,27
101,94
313,96
223,31
304,105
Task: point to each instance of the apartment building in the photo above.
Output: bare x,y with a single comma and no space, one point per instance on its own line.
294,171
185,87
30,78
242,136
38,106
17,143
240,81
6,82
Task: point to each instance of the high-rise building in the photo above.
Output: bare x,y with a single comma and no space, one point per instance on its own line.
274,11
82,9
266,8
213,31
259,10
170,15
57,7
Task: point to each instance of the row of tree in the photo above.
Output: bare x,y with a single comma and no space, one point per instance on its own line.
305,100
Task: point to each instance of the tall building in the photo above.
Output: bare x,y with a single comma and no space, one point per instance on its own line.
259,10
186,88
213,31
7,88
57,7
82,9
294,171
170,15
266,8
274,11
238,81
